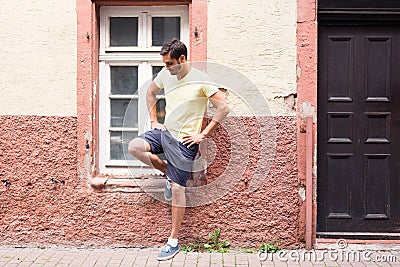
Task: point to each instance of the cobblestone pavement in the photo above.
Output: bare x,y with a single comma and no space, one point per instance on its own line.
121,257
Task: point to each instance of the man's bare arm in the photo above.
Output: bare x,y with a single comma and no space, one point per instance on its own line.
222,110
151,100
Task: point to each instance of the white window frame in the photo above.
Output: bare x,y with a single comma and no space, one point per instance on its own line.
144,56
144,15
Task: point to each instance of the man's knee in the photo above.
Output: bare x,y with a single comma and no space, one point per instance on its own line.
136,146
177,189
178,195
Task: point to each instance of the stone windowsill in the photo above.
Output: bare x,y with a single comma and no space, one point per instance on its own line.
154,184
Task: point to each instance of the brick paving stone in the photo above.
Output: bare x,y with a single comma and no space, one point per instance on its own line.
80,259
216,260
152,261
117,254
190,263
166,263
142,256
22,254
267,264
44,256
204,255
140,263
101,263
91,260
241,257
25,264
383,264
369,264
203,259
294,264
13,261
306,264
229,262
330,263
41,256
8,256
280,264
132,252
3,251
190,256
228,259
255,263
346,263
180,257
49,264
102,259
127,262
217,256
180,264
114,262
34,256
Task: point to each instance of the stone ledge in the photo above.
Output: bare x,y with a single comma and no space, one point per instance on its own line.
153,184
129,185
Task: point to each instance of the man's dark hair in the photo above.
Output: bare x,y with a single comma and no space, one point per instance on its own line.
175,47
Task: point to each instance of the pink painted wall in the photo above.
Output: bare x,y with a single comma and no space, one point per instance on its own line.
198,21
36,211
307,31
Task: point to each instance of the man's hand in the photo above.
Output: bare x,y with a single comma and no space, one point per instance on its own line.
157,125
190,140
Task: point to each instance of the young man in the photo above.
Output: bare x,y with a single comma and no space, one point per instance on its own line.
187,91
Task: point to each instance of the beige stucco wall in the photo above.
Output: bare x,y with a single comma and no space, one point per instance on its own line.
257,38
38,57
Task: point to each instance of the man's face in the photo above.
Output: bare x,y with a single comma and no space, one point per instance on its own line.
172,64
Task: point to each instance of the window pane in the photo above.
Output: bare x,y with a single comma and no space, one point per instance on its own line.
156,70
119,108
160,107
124,80
123,31
164,29
119,144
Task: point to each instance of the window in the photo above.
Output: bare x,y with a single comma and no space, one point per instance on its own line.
130,43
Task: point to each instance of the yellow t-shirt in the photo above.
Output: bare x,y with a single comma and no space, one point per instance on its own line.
186,100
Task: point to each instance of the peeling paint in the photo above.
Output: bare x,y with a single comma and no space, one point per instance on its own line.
302,193
289,103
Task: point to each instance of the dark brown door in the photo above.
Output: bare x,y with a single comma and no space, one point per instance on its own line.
358,130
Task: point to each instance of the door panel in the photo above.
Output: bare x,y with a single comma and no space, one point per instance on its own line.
358,129
357,4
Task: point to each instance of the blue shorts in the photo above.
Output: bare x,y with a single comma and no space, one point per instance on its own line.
179,157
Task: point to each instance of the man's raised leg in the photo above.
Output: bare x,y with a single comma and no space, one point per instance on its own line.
140,149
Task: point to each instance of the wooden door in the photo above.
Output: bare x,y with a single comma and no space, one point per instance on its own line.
358,186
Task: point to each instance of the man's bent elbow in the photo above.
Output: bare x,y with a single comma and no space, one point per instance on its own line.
226,110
